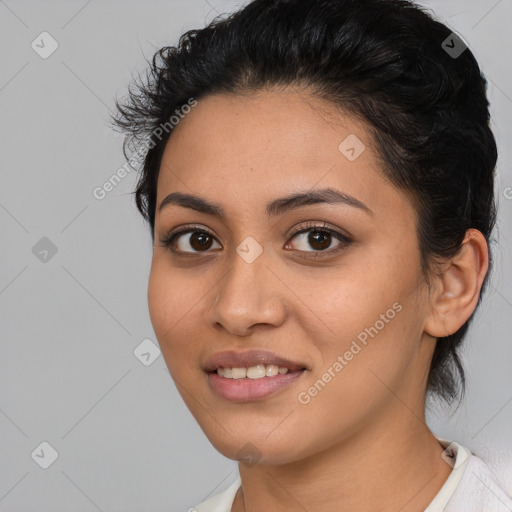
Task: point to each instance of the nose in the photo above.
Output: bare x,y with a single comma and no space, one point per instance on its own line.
248,294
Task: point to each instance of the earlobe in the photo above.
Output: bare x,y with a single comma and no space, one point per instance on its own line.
458,285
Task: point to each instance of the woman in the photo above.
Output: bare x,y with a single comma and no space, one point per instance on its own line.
319,188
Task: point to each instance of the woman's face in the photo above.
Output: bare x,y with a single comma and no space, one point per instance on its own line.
348,309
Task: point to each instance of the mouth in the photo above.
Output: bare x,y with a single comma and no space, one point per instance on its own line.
250,376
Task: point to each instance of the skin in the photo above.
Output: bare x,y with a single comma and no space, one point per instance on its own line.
361,444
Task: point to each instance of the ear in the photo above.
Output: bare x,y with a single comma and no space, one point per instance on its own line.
457,286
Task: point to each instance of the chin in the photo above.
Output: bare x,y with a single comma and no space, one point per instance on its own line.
256,448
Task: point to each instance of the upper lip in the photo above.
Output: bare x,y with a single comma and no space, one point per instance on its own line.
234,359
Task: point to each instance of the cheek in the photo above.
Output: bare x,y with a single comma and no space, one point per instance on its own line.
345,302
161,299
171,304
364,316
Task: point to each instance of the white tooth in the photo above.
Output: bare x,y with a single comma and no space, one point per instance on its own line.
256,372
283,370
227,373
239,373
271,370
220,371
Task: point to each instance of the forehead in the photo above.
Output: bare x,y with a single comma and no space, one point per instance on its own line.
287,124
249,149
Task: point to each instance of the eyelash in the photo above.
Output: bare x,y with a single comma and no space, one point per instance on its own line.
168,240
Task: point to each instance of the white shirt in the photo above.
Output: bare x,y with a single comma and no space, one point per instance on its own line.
471,487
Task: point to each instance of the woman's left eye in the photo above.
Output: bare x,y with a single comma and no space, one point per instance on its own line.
319,238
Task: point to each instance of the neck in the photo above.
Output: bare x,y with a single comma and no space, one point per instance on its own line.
394,464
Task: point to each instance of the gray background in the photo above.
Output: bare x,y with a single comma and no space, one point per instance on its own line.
69,325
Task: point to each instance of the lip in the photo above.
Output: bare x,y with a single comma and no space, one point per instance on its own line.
250,390
234,359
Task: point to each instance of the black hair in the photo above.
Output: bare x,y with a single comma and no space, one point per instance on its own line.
391,64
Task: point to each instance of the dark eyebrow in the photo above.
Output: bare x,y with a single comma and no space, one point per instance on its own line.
274,208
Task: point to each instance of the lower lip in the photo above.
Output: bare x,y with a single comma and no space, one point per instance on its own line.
248,390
